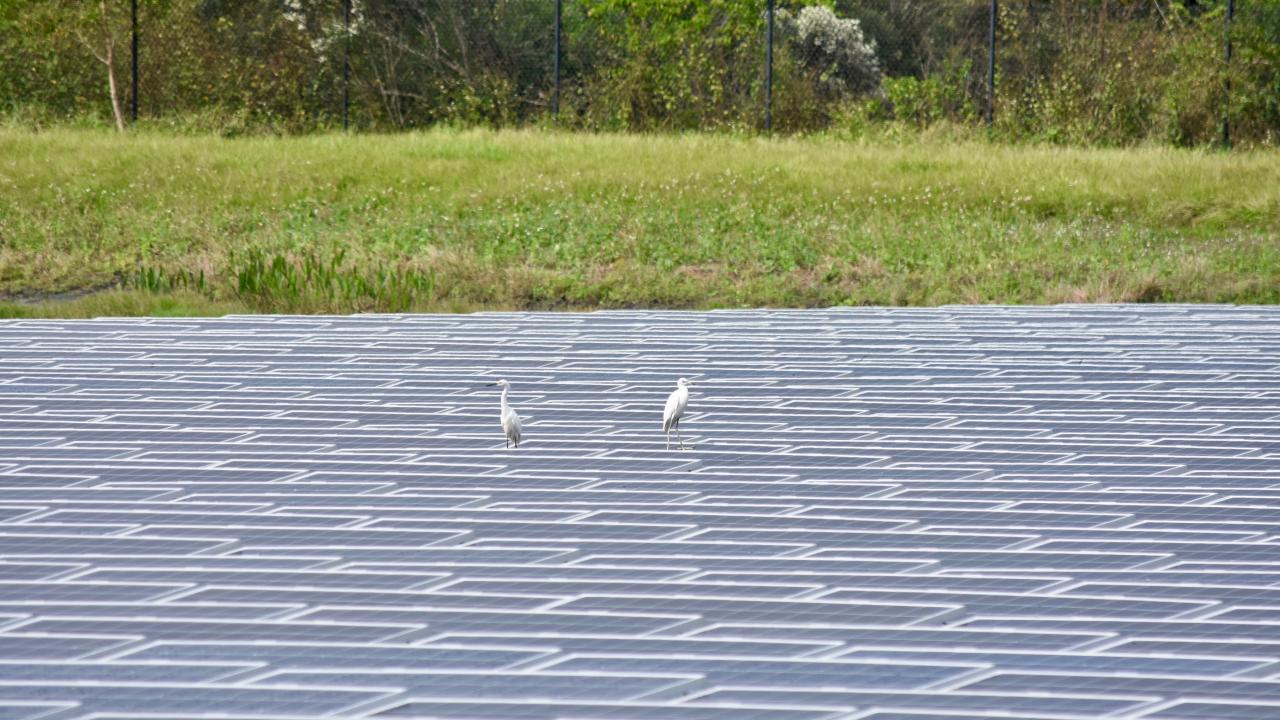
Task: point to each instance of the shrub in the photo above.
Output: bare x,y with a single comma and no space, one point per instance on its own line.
841,61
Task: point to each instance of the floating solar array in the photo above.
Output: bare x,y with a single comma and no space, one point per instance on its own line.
1052,512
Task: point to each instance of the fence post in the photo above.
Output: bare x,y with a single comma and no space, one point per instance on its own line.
1226,52
555,93
768,70
346,61
133,59
991,63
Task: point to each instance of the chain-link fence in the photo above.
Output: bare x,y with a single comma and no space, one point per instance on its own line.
1182,72
238,61
1091,71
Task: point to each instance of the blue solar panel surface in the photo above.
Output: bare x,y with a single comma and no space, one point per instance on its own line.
1060,513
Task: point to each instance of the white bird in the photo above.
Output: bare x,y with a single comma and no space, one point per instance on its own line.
671,414
510,420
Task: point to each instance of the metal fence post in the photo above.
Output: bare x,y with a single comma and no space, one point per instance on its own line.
555,93
768,70
1226,52
991,64
346,62
133,59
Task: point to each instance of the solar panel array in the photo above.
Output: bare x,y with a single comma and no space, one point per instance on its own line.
892,514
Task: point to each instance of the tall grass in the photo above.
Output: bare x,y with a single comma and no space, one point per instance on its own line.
448,220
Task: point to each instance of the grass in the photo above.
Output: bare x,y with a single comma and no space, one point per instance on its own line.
462,220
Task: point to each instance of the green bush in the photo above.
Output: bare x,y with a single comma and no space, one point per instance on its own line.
673,64
924,101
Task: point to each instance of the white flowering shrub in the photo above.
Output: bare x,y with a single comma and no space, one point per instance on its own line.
842,59
324,27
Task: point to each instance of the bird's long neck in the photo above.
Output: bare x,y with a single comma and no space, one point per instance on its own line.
504,401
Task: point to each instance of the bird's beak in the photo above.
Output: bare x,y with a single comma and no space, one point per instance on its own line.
491,385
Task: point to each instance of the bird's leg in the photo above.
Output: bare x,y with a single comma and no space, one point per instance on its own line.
678,435
668,438
507,443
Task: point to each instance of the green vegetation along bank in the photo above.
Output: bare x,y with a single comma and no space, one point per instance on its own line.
93,223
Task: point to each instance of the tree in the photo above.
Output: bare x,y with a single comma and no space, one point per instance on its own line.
105,51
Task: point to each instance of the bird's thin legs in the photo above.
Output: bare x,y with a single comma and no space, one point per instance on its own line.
680,439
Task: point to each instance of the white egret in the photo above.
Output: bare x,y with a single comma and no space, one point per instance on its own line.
510,420
671,414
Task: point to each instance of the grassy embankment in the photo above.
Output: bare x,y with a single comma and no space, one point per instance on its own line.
448,221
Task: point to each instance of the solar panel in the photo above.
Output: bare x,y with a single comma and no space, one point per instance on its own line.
1067,662
479,710
314,654
131,610
1016,704
16,645
1253,689
822,674
190,698
630,645
117,671
23,710
890,514
192,629
33,571
1242,710
610,686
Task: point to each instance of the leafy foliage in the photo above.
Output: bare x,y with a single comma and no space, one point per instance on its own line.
1106,72
677,64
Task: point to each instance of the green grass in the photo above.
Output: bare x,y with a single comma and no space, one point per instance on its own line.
463,220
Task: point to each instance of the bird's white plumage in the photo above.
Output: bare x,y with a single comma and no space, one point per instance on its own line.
674,410
511,426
